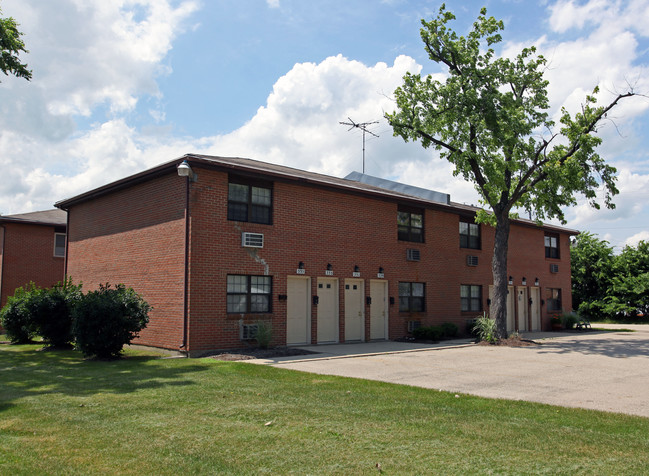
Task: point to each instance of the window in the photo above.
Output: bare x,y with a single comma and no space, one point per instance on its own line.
470,297
469,235
553,299
410,224
59,244
248,294
249,202
411,297
551,246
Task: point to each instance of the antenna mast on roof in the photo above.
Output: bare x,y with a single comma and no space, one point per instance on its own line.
363,127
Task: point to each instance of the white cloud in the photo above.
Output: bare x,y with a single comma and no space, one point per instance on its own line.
637,238
273,3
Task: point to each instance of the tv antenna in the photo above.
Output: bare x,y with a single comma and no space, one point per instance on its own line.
363,127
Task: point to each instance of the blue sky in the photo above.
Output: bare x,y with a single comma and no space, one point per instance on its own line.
124,85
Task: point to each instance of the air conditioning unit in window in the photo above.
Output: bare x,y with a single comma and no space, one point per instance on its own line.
247,331
252,240
554,268
413,254
471,260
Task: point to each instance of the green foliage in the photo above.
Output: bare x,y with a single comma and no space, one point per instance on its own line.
608,286
107,319
428,333
485,329
51,312
449,330
10,46
16,318
264,334
490,119
569,320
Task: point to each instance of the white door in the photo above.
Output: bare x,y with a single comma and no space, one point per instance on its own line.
521,308
354,310
298,311
327,328
535,308
378,309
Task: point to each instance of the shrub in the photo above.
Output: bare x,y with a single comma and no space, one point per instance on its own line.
51,312
449,330
264,334
107,319
16,318
568,320
428,333
485,329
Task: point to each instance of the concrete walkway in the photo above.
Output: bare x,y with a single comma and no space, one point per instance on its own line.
606,371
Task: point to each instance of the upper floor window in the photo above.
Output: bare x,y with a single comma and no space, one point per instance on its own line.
470,297
553,299
410,224
469,234
248,294
59,244
249,201
551,246
411,297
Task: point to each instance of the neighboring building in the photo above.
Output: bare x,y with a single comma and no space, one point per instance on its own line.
32,248
322,259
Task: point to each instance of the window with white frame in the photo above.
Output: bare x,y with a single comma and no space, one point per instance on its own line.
59,244
248,294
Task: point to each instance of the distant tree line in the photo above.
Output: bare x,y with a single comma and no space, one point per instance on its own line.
606,285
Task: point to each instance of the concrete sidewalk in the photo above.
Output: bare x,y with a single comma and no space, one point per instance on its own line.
606,371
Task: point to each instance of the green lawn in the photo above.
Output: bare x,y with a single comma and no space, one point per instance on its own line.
60,414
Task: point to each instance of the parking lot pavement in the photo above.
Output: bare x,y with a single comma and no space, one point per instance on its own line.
596,370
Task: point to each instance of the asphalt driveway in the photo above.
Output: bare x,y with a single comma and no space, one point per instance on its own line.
606,371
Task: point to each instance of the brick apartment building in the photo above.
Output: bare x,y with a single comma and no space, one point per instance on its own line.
32,248
322,259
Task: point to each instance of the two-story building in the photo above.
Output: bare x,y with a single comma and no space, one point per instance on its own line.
217,244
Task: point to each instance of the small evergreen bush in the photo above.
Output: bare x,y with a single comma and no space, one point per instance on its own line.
51,312
107,319
16,318
449,330
264,334
568,320
428,333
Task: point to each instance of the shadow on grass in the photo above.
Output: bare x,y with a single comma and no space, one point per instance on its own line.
27,370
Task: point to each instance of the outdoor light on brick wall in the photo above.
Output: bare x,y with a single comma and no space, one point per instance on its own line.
536,281
184,170
524,281
380,274
511,280
357,272
330,270
300,268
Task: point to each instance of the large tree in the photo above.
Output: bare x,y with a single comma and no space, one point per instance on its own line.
10,47
490,119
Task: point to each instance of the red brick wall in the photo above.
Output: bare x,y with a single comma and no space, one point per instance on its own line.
136,237
28,256
317,227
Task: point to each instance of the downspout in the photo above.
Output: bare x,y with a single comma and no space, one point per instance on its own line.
2,265
67,243
186,278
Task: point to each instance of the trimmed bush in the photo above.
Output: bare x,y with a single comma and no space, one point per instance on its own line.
449,330
51,312
107,319
16,318
568,320
264,334
428,333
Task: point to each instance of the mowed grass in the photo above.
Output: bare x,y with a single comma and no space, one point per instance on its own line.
60,414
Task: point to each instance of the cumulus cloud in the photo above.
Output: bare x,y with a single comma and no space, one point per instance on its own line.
637,238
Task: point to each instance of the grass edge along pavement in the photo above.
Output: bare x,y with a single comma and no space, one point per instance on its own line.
61,414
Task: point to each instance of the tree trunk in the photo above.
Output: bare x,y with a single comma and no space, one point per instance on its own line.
498,307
